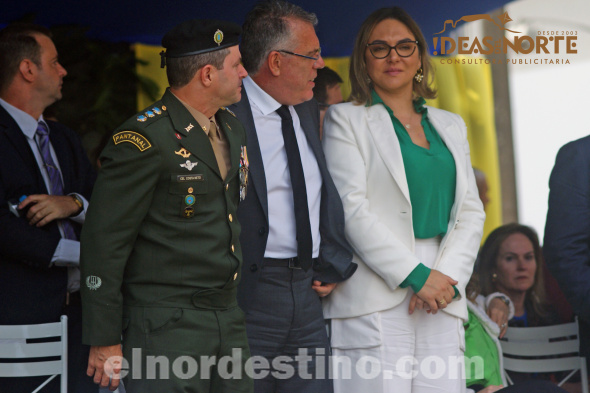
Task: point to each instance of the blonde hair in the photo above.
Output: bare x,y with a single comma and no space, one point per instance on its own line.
359,80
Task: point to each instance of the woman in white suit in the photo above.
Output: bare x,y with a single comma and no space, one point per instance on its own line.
413,217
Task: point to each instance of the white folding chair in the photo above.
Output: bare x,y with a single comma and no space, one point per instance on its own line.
544,349
14,345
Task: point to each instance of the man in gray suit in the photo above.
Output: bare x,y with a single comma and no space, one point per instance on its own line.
293,224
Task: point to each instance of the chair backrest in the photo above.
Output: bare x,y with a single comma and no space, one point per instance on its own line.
544,349
25,342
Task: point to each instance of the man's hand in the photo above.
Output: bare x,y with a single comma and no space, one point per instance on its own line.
104,363
437,291
45,208
323,289
498,312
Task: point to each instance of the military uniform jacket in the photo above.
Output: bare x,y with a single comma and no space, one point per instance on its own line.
162,224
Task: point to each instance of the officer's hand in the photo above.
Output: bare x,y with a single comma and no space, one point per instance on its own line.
45,208
104,363
323,289
437,291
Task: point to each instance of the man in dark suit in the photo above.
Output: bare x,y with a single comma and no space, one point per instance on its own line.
45,180
161,258
567,231
293,226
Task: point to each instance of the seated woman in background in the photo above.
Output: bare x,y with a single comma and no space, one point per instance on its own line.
511,262
481,340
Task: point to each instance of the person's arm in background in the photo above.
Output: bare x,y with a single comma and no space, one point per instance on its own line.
567,230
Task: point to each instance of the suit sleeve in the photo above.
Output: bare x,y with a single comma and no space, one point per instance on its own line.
376,245
121,199
567,230
460,251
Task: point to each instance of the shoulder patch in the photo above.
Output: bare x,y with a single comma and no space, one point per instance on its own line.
226,109
135,138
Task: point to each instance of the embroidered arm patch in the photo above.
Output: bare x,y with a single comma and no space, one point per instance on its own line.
132,137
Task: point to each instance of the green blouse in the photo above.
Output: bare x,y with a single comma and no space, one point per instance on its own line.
431,177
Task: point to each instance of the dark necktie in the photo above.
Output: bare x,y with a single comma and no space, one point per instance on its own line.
54,175
303,227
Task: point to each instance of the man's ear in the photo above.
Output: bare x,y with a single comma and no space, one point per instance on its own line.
28,70
207,74
274,63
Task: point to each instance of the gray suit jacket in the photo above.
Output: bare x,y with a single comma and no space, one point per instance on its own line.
335,259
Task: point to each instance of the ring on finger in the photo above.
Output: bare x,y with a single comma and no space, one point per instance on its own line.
442,302
503,325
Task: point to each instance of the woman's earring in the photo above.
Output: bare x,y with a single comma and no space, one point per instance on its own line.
419,75
494,277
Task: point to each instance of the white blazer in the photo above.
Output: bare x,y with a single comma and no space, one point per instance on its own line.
365,161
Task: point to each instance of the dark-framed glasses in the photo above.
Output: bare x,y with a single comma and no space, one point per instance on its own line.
304,56
381,50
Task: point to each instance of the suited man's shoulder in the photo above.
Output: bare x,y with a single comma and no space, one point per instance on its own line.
582,144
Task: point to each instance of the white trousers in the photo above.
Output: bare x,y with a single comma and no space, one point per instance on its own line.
392,351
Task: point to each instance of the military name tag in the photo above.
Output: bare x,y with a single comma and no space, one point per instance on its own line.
190,177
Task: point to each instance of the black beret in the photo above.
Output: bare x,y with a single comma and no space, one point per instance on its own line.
196,36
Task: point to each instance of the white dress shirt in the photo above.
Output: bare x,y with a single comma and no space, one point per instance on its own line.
282,242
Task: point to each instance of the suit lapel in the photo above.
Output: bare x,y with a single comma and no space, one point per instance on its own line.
381,128
21,145
311,131
258,179
193,138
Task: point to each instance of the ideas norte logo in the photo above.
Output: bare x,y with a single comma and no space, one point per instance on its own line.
543,42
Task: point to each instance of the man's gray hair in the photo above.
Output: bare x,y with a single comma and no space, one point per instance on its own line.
266,29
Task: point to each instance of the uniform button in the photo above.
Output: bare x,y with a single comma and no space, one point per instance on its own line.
253,267
226,187
262,231
232,248
230,218
235,276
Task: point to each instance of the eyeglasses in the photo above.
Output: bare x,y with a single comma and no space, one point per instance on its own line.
305,57
381,50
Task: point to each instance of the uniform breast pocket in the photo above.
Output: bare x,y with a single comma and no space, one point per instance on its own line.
185,193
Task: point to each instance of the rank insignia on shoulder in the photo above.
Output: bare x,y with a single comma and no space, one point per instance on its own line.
183,153
133,137
141,118
149,114
227,109
156,110
93,282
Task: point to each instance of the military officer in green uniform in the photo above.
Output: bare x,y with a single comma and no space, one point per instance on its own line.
160,253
